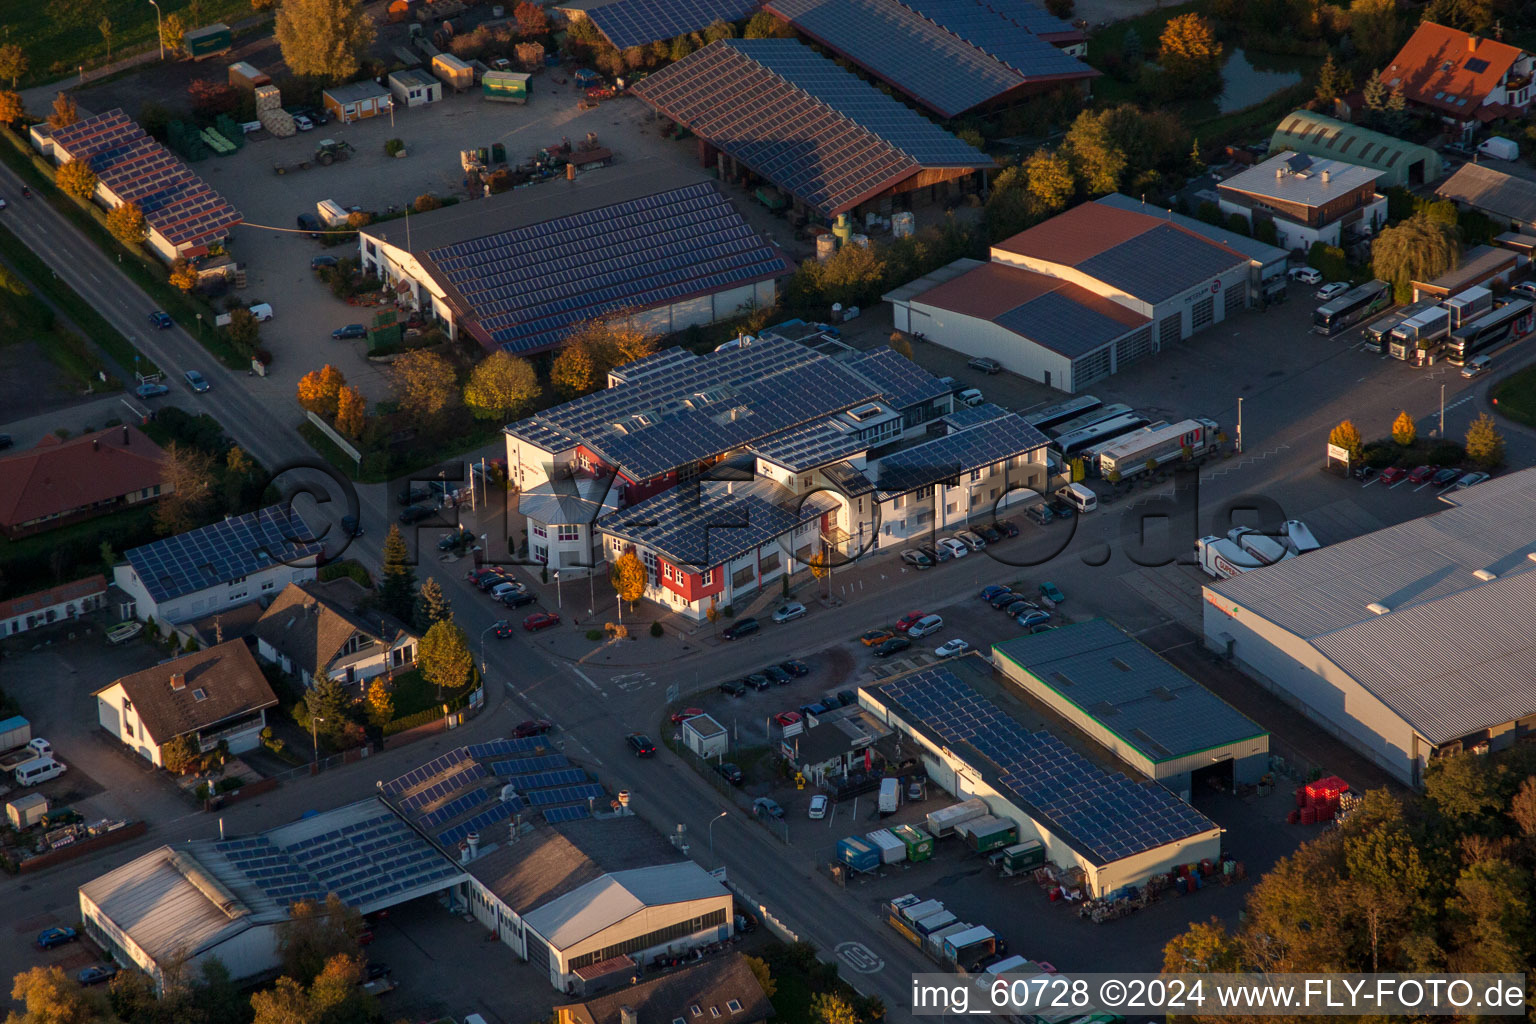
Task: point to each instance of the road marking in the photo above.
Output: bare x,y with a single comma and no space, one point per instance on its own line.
859,957
586,679
633,681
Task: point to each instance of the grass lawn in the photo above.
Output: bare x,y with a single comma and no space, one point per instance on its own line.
70,552
1515,396
413,694
61,35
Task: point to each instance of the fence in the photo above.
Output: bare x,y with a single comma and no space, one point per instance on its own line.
80,849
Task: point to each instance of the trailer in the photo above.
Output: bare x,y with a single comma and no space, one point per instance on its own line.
892,850
14,732
915,912
943,821
453,72
973,944
26,811
919,844
208,41
1416,339
1298,537
988,833
858,854
505,86
1025,856
243,75
1222,559
935,922
1140,453
1469,305
1266,549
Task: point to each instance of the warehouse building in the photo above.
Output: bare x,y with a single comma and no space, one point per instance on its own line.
1486,265
1400,163
1118,831
952,56
626,23
1148,713
1081,296
775,110
1508,200
566,876
179,906
1266,263
520,270
1408,643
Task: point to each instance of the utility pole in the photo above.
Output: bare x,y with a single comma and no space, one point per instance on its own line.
159,34
1239,424
1442,411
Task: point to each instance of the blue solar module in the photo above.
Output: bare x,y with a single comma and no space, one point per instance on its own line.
501,812
627,23
700,527
520,765
802,122
984,444
1105,813
438,791
529,286
555,815
411,779
570,794
541,780
454,808
224,551
501,748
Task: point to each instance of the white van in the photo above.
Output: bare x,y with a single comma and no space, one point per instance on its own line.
262,311
970,396
1476,366
925,625
1079,497
39,769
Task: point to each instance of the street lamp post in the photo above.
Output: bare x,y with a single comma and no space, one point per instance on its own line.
159,34
484,666
1239,424
1442,411
314,736
559,601
711,831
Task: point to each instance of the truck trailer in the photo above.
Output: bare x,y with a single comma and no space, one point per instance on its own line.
1223,559
1417,338
14,732
943,821
208,41
1141,452
1266,549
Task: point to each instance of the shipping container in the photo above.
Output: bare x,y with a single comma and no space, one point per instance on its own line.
208,41
934,943
1025,856
1138,452
919,843
971,944
246,76
934,922
505,86
26,811
943,821
857,854
892,850
332,213
988,833
452,72
14,732
921,909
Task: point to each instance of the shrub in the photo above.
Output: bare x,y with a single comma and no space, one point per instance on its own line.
201,792
393,146
656,629
594,634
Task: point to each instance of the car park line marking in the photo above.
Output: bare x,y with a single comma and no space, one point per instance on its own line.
1426,483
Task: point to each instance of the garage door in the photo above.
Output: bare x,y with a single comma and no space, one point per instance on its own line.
1089,368
1203,314
1168,330
1234,298
1136,346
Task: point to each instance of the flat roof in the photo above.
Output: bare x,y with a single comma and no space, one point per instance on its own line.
1493,191
1128,689
1299,178
1477,265
1454,653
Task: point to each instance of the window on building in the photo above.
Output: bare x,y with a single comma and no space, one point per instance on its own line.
569,531
199,694
709,577
128,729
127,706
538,531
659,937
267,585
734,1006
666,570
975,475
540,553
923,492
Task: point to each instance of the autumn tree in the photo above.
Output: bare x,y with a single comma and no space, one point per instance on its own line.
186,488
424,383
13,62
500,387
718,30
763,25
1404,432
432,605
627,574
179,754
173,32
127,224
1485,445
445,657
182,275
900,345
64,111
12,109
1420,248
831,1008
381,706
76,179
314,933
397,579
574,371
1347,436
1189,52
760,971
351,412
1096,158
323,38
320,391
53,997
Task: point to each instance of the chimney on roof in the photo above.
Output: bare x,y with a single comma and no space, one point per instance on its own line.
628,1015
1471,44
1326,176
178,680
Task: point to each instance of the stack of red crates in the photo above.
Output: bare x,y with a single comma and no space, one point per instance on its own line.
1323,796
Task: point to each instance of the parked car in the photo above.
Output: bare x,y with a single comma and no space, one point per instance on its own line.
894,645
818,808
741,628
956,549
517,598
985,364
789,612
875,637
493,579
1445,477
909,620
938,554
196,381
455,540
416,513
953,647
532,727
378,970
1060,509
989,592
733,688
757,681
1004,599
540,620
765,807
847,697
1020,606
731,773
161,320
787,717
1420,474
412,493
151,389
1040,515
777,675
1393,475
989,534
642,746
1034,618
1331,290
96,974
1470,480
502,629
317,262
1306,275
52,937
912,556
1050,591
1006,527
971,540
349,331
679,717
303,123
795,667
350,526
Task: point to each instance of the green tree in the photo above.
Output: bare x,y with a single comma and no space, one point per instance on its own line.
1376,29
53,997
1330,81
1189,52
1389,880
1051,185
1494,911
127,224
182,275
1418,249
285,1002
432,605
1097,160
574,371
1485,445
104,26
718,30
760,971
76,179
1404,432
424,382
1203,947
178,755
1464,790
323,38
1375,94
1131,48
397,580
500,387
682,46
1347,436
108,556
13,62
1522,808
327,709
902,347
244,331
351,411
445,657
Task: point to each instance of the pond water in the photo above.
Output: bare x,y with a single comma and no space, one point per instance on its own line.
1243,85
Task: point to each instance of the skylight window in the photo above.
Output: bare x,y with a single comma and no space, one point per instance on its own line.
199,694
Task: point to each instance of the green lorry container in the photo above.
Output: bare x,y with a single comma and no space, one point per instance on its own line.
208,40
1025,856
505,86
988,833
919,843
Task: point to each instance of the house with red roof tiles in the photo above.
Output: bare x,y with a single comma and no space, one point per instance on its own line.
60,482
1465,79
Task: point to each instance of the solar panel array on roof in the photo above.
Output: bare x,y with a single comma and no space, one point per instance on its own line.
575,812
529,764
223,551
902,382
177,204
466,775
1106,813
1061,325
627,23
801,121
984,444
529,286
701,528
1160,263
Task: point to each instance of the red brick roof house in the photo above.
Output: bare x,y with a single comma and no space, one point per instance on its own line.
1465,79
60,482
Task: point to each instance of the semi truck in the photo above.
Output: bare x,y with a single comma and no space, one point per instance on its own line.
1266,549
1141,452
1222,559
1416,338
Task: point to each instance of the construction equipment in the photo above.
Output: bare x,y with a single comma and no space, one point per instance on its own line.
329,151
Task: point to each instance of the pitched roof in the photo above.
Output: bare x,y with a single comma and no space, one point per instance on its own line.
310,628
354,91
233,547
801,121
215,684
712,986
1448,69
972,446
1302,179
604,902
1494,192
626,23
44,599
58,477
1256,251
948,55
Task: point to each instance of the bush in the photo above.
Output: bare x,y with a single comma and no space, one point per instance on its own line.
393,146
1330,260
201,792
226,785
656,630
594,634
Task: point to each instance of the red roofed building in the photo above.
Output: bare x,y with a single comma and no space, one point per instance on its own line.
65,601
61,482
1463,78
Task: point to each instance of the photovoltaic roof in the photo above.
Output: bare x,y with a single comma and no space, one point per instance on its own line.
1159,263
981,444
1105,815
798,119
223,551
700,527
178,204
949,56
627,23
1061,325
901,381
526,287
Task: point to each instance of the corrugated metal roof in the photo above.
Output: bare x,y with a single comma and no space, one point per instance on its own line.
1320,135
1160,263
1259,252
1064,326
609,900
160,909
1476,266
1312,183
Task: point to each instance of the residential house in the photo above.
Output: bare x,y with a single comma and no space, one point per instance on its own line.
217,694
240,559
62,603
1309,199
719,991
1464,79
65,481
311,633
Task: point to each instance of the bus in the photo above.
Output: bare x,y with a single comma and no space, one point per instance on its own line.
1070,445
1088,419
1351,307
1490,331
1048,417
1378,333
